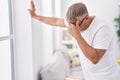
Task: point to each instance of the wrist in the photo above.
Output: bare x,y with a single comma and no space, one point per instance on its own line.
34,16
78,36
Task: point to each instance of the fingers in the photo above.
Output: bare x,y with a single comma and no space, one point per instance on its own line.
32,5
77,23
71,25
31,12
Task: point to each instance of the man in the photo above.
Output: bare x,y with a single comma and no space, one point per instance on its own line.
94,38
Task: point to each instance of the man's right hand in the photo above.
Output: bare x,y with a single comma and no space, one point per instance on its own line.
32,10
47,20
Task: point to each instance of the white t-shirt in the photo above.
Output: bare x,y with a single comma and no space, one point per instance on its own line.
101,36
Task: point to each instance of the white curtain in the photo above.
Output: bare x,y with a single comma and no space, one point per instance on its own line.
44,36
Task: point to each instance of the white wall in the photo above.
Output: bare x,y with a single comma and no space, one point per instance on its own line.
105,9
23,40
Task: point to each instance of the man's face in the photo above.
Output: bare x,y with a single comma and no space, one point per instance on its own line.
80,19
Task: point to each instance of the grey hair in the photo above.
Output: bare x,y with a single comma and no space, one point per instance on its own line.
76,10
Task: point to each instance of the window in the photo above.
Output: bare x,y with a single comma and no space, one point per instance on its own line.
6,42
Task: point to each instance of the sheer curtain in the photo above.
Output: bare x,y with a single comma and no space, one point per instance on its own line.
44,37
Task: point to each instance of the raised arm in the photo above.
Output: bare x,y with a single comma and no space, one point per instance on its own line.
47,20
50,20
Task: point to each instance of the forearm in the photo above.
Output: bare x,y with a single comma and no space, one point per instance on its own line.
90,52
50,20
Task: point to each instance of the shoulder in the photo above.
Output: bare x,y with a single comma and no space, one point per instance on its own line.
102,26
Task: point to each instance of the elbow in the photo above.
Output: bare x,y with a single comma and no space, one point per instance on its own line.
95,61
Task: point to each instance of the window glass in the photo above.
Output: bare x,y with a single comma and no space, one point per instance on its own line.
4,18
5,60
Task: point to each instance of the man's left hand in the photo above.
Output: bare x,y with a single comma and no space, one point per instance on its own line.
74,30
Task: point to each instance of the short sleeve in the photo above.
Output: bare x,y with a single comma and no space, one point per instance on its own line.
102,38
